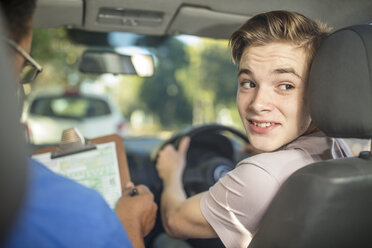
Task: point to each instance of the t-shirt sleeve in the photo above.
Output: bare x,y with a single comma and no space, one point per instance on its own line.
235,205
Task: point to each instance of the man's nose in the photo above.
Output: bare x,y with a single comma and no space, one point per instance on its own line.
262,100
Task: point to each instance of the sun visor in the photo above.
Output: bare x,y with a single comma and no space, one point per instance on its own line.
52,14
141,17
206,23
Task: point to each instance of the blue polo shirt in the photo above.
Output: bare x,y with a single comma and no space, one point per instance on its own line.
59,212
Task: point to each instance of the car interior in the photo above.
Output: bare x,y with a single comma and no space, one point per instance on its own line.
322,205
201,18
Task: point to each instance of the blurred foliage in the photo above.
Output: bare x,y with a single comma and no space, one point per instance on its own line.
213,74
192,84
162,93
59,58
216,72
126,93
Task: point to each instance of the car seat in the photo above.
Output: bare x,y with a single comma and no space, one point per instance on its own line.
329,204
13,163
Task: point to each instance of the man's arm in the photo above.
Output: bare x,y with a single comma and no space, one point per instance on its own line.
182,217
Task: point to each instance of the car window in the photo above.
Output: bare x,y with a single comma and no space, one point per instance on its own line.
194,81
69,107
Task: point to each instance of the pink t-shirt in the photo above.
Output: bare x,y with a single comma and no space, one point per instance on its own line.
235,205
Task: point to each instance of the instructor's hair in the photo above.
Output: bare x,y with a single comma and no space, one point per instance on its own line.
18,17
279,26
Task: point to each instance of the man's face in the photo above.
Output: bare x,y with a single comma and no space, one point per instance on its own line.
270,98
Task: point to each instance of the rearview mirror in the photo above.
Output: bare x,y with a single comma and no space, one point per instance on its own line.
99,62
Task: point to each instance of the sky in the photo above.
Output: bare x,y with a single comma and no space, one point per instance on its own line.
128,39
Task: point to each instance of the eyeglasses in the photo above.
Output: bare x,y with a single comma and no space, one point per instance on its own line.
31,68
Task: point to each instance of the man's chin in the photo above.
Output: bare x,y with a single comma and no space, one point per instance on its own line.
264,147
264,144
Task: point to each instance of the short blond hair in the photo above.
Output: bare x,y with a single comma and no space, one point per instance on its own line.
279,26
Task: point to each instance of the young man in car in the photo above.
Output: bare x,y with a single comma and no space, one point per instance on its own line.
273,51
59,212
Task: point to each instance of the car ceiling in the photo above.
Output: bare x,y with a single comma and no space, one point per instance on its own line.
208,18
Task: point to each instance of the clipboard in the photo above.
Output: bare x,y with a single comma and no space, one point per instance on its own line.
74,146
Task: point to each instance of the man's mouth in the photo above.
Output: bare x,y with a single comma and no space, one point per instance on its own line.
262,124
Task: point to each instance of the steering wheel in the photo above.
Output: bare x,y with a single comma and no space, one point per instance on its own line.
210,156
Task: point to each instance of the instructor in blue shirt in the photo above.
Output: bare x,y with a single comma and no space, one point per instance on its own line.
58,212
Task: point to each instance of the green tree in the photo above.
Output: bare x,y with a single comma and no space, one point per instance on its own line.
59,58
218,72
210,80
163,94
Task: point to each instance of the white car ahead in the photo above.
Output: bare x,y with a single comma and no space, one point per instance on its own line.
47,113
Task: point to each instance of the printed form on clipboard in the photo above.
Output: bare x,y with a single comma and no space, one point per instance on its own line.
97,166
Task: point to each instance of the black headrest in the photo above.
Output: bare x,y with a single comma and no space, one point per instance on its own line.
340,84
13,163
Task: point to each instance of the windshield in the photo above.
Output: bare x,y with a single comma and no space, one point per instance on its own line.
194,82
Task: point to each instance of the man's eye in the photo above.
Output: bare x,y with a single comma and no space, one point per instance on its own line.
247,84
286,87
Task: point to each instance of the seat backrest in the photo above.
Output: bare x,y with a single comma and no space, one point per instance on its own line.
329,204
13,162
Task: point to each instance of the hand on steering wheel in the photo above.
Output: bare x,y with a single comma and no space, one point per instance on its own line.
171,162
209,155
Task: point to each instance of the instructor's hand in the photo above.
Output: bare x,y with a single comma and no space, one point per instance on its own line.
138,212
